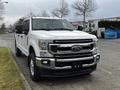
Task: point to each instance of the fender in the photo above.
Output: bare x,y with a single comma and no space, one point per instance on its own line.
33,43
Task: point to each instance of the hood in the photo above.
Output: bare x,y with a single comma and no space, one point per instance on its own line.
62,35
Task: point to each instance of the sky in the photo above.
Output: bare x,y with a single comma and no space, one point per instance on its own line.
18,8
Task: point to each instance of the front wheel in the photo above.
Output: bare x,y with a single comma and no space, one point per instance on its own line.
33,68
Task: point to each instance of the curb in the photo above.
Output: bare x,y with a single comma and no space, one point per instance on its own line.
24,80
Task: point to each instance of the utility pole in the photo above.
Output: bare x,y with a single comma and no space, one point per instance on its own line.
84,16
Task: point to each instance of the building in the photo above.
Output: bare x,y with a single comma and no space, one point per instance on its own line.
93,25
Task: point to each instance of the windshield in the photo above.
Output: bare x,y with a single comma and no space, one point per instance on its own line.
51,24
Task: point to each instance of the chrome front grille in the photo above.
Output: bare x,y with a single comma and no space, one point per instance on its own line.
62,49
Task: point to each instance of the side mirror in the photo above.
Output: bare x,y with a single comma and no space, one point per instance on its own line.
19,28
25,32
80,28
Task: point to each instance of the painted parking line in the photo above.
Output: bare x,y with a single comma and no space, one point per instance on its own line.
117,67
106,71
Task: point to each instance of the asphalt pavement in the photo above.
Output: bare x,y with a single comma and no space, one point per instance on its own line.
106,77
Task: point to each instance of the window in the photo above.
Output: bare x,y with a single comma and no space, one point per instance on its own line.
26,25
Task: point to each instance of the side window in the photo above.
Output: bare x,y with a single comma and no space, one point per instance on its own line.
26,25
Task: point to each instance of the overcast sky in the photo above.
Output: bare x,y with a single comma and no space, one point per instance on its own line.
17,8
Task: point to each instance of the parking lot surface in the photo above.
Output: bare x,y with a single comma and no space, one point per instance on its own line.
106,77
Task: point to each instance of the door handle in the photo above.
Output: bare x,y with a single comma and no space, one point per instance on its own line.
21,36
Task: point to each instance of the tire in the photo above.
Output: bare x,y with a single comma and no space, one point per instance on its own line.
34,74
87,74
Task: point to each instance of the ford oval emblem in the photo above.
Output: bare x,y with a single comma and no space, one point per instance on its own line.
76,48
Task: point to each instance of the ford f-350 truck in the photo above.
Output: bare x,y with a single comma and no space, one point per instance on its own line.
55,49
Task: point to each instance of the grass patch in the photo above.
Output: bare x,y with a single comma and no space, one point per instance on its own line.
2,32
9,76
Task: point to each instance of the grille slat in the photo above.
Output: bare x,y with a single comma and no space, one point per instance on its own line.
90,47
78,55
62,64
72,41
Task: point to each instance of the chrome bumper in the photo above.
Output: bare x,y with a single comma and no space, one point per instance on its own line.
52,62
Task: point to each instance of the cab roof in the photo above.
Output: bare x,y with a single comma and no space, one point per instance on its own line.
42,18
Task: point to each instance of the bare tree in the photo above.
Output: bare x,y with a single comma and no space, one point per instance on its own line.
84,8
44,14
62,11
31,14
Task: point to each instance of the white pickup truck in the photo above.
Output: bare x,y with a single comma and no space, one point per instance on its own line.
55,49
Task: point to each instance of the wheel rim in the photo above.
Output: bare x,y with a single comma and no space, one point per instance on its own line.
32,67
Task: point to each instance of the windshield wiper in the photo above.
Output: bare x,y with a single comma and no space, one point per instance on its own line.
54,29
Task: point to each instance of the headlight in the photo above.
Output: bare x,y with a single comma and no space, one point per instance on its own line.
43,44
44,53
95,46
95,43
95,51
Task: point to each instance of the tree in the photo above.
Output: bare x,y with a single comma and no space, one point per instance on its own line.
3,27
19,21
44,14
84,8
1,10
62,11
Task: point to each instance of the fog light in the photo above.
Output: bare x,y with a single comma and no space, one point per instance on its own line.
98,58
45,62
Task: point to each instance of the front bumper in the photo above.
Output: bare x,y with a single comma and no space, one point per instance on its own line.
70,67
43,72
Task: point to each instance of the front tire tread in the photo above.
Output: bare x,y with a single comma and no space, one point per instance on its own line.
34,77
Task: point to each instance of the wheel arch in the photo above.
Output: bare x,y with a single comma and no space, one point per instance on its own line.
31,50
